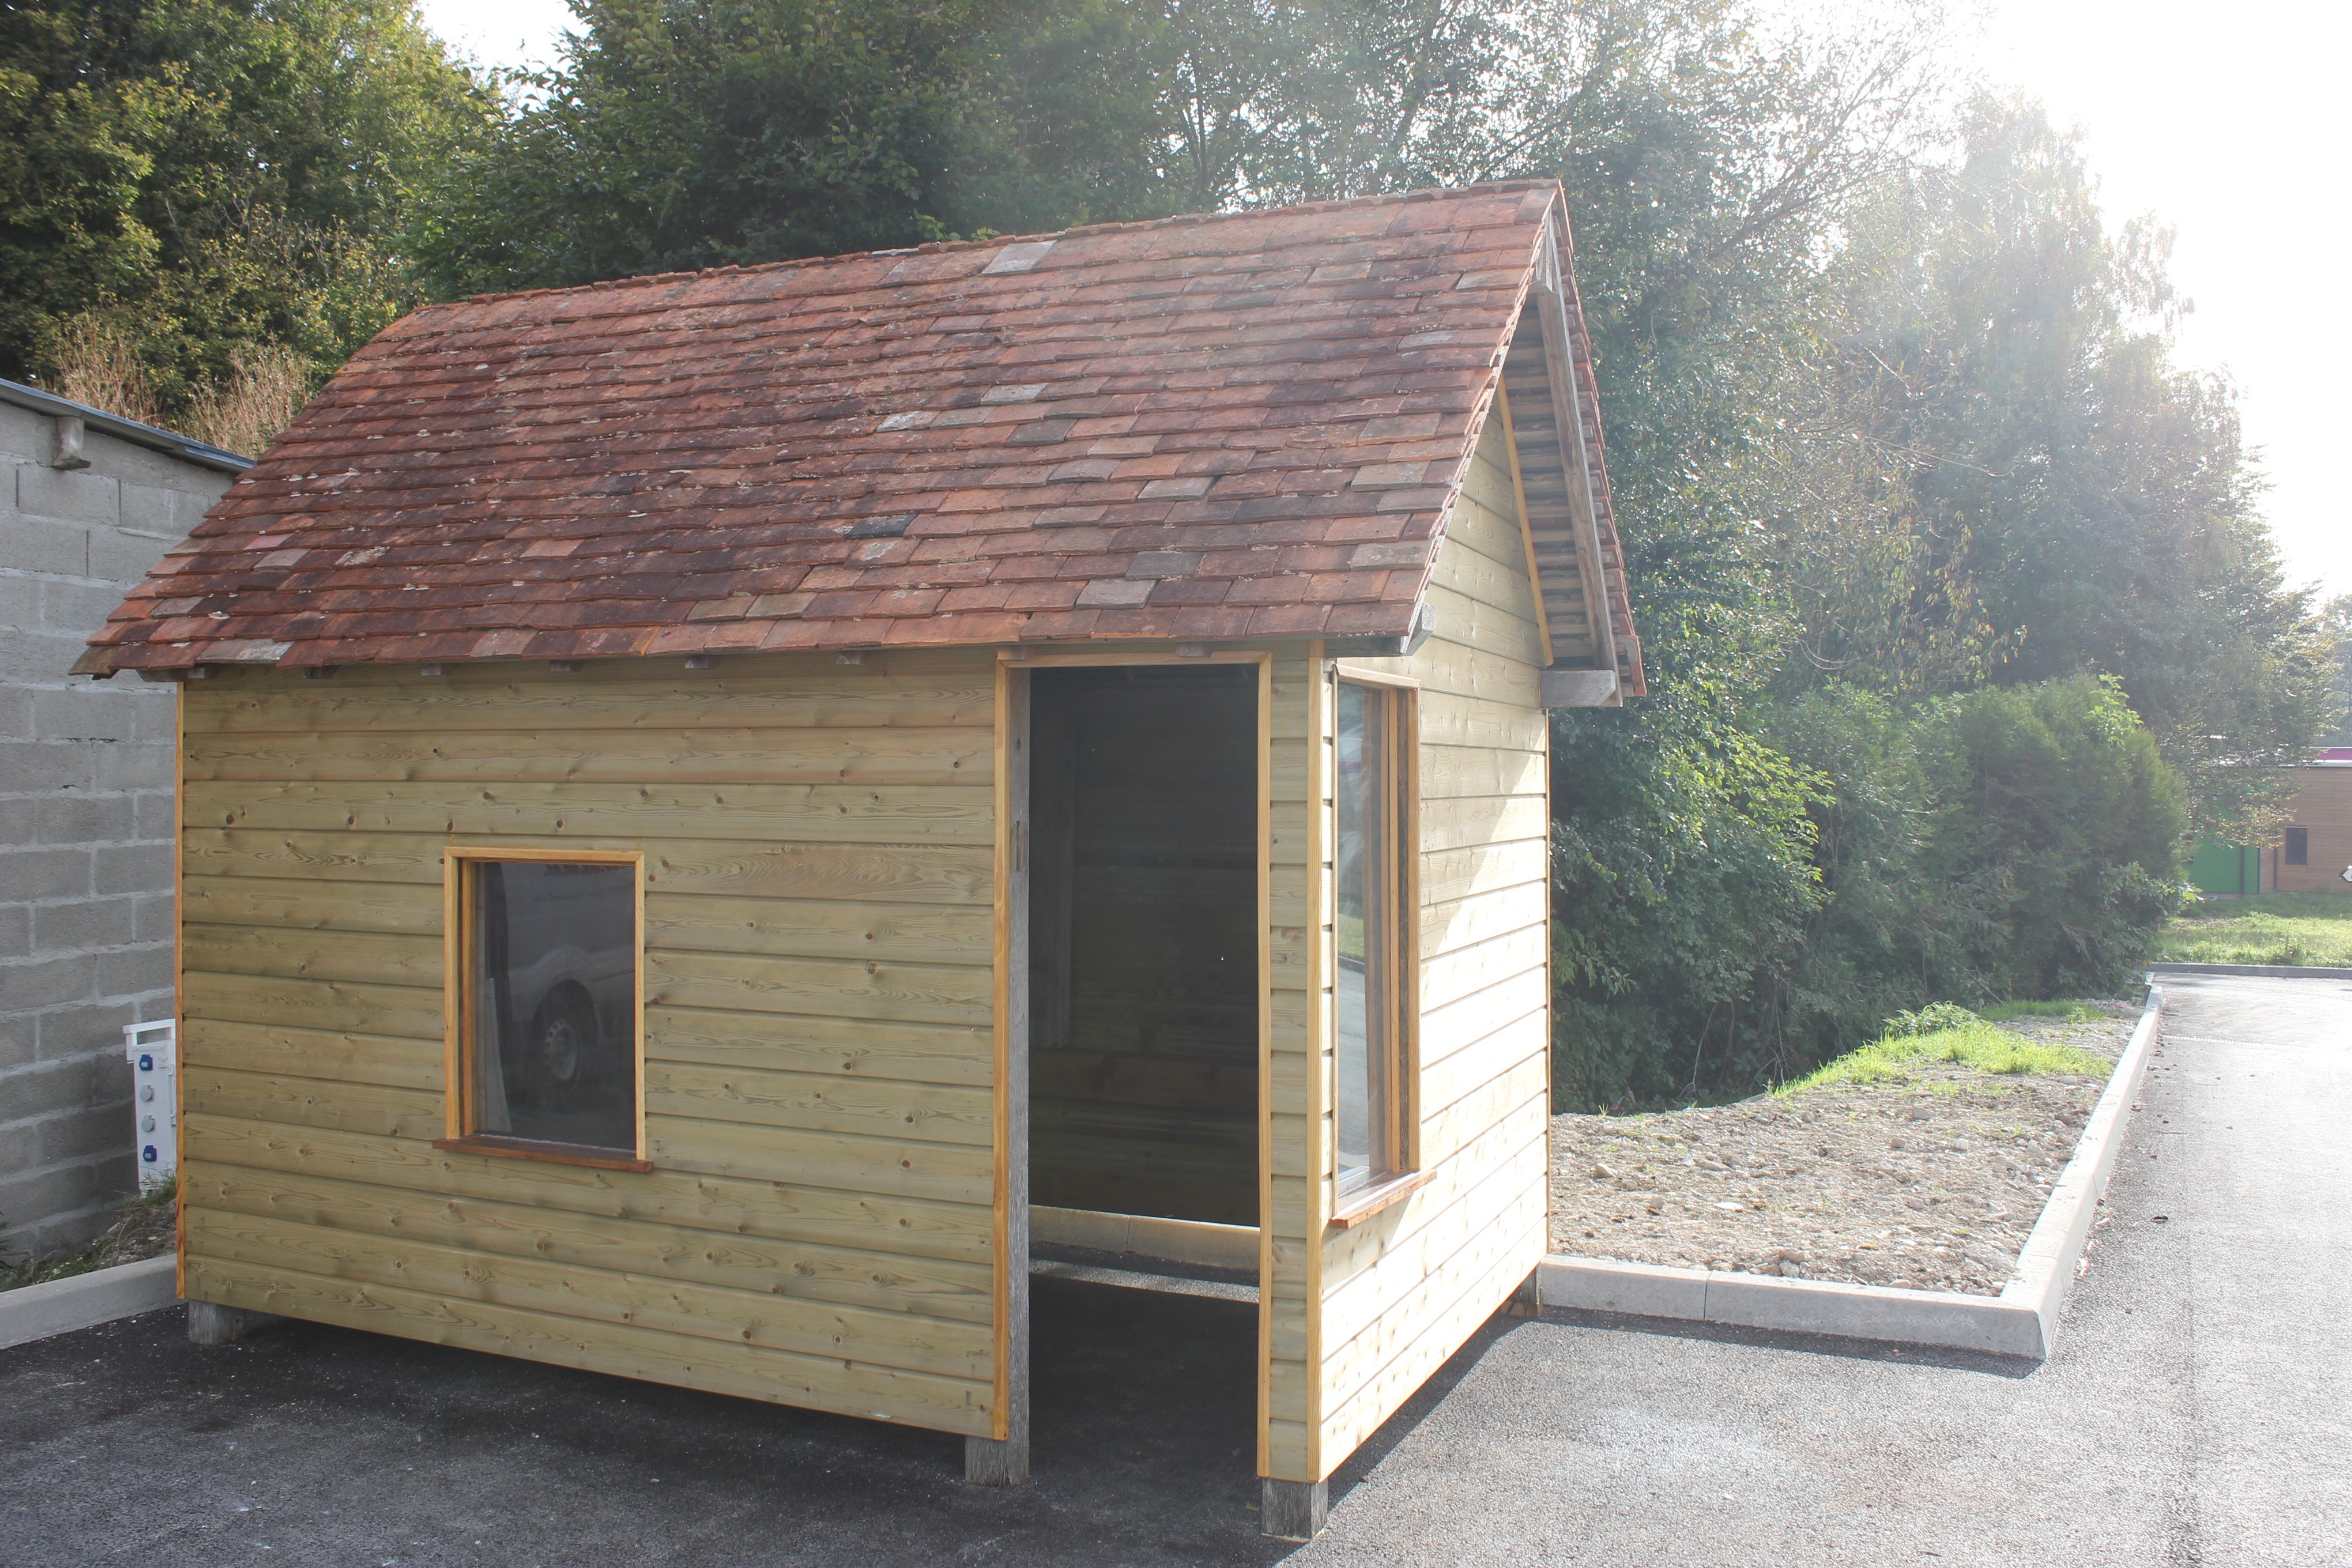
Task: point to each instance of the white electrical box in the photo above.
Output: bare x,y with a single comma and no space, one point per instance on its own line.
154,1050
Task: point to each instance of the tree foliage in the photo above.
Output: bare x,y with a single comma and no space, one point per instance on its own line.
1959,607
201,178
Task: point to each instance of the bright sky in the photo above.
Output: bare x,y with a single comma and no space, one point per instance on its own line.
2223,123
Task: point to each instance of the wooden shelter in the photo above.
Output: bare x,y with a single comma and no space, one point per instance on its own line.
842,777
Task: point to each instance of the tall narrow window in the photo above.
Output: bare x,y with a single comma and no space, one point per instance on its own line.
548,1019
1372,990
2298,846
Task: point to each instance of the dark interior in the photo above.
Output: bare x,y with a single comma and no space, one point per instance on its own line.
1143,943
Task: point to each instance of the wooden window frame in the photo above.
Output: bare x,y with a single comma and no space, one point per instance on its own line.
457,926
1401,737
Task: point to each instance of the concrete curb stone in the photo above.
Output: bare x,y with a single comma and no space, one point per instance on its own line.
2265,970
61,1306
2021,1321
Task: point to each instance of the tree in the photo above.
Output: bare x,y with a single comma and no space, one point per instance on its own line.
202,179
2042,492
688,133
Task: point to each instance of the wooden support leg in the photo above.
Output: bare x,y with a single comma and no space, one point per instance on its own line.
988,1462
1293,1511
1527,1302
209,1323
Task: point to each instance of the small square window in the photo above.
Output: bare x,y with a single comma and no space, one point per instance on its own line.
546,1061
2298,846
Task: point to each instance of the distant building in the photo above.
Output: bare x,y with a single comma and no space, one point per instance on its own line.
91,503
2313,854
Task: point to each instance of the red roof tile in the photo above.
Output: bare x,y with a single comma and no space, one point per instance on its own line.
1243,425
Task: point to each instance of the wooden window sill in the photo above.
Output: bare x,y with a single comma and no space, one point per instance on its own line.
1362,1203
553,1154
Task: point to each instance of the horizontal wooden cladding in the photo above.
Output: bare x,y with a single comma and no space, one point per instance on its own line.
342,1056
624,1350
248,1223
796,813
828,1240
339,1047
920,874
908,1053
1459,1200
616,695
892,1166
886,992
1460,922
929,1113
772,756
817,1226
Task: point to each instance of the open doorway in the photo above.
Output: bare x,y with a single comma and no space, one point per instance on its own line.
1143,956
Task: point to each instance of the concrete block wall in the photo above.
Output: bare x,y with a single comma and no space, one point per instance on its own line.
86,773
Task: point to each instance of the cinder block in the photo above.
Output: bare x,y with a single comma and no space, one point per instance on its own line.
16,930
31,874
20,1044
46,1089
153,814
79,1031
16,710
81,495
75,608
128,766
49,981
84,923
152,917
135,972
20,596
156,716
75,817
133,868
37,767
45,543
42,658
26,435
97,1130
56,1209
81,712
116,555
147,508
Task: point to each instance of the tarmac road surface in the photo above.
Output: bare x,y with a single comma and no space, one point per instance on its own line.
2198,1411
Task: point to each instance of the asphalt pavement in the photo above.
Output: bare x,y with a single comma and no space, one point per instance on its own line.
2198,1411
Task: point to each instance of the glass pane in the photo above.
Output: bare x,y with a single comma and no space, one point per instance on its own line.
555,1003
1362,983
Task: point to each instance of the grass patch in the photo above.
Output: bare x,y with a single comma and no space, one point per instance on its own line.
148,1227
2001,1012
2268,928
1975,1044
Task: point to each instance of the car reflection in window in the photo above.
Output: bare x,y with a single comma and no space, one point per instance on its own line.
556,1001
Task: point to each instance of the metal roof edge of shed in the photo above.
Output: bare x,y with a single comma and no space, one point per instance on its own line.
169,442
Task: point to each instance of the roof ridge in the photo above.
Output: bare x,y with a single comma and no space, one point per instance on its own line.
948,246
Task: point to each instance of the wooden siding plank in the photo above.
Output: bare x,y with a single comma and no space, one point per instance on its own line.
767,755
627,1351
797,813
693,1219
927,1113
244,1226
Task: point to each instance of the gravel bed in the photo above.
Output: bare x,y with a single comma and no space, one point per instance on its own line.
1932,1180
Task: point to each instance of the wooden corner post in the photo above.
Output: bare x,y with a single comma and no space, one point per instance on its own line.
1003,1459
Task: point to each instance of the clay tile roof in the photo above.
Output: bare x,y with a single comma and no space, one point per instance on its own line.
1242,426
